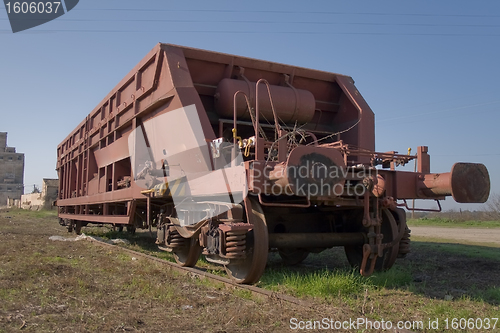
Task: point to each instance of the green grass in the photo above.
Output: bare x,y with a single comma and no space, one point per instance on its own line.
453,241
142,242
454,248
209,283
397,276
391,295
323,284
78,286
243,293
491,295
329,284
29,213
446,222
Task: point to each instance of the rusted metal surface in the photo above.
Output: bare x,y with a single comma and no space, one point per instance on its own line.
234,239
291,104
424,160
469,182
293,148
250,269
466,183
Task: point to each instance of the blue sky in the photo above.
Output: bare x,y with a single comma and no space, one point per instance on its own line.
428,69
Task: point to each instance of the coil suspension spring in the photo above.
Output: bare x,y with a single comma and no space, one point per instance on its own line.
174,239
235,243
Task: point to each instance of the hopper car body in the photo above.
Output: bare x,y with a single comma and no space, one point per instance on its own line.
232,157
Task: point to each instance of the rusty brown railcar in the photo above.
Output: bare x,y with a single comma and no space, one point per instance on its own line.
232,157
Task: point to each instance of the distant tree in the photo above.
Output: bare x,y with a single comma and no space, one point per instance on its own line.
35,189
493,205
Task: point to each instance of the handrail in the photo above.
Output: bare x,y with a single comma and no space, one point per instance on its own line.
405,205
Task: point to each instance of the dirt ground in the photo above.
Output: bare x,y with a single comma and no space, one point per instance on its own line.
473,235
54,286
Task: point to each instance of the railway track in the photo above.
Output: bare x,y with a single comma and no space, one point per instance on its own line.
228,283
200,272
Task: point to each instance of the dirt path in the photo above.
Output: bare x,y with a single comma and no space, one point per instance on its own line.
475,235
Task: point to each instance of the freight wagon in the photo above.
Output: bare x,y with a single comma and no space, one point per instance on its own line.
232,157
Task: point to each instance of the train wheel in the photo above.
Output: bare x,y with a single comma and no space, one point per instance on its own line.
187,256
250,269
293,256
390,231
70,225
78,227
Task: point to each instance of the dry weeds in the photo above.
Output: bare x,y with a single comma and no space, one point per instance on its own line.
50,286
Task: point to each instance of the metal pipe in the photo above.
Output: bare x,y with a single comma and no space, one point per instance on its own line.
276,123
466,182
414,170
235,122
235,113
257,113
310,240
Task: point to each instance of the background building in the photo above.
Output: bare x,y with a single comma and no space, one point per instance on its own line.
43,199
11,172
